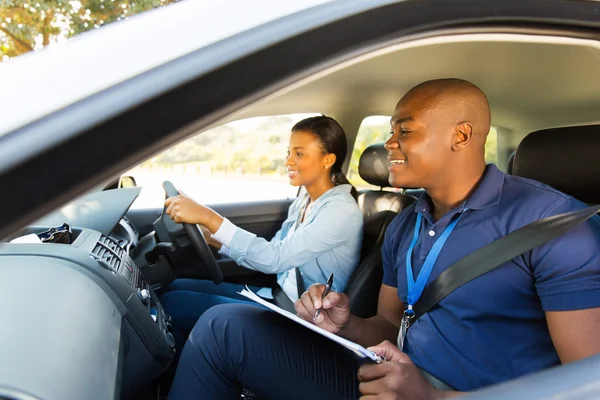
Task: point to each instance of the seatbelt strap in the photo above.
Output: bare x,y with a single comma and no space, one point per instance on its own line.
280,298
299,282
497,253
301,215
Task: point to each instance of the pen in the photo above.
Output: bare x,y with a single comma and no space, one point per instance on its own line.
325,293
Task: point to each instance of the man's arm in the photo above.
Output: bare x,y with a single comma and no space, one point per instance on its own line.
575,333
383,326
336,317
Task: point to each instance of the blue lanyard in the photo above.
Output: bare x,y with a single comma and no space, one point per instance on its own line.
415,288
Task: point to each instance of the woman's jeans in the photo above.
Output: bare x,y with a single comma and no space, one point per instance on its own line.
187,299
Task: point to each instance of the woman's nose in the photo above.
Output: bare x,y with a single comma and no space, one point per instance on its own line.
288,161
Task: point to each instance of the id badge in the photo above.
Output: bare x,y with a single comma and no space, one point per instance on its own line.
404,325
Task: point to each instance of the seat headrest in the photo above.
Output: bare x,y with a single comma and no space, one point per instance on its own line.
564,158
373,165
511,163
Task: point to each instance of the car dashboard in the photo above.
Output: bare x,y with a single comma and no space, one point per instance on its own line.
83,311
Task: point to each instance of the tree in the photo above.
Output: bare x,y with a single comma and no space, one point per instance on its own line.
27,25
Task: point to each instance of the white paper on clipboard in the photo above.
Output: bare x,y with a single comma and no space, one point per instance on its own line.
356,348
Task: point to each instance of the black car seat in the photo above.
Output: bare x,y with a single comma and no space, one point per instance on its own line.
379,208
564,158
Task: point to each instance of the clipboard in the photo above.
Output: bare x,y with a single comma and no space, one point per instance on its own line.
354,347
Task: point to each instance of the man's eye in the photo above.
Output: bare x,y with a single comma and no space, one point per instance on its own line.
404,132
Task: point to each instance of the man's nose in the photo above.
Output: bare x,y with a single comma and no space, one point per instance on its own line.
392,143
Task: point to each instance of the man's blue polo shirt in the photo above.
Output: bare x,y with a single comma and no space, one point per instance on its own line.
493,328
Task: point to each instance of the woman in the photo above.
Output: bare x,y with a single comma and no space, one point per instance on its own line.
322,234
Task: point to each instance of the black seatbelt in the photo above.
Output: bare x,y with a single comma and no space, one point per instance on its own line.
281,299
497,253
299,280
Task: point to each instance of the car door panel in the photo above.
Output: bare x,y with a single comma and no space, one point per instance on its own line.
260,218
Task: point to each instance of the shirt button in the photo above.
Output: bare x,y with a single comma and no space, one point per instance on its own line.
431,233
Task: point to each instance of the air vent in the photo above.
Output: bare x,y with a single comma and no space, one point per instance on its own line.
109,250
133,228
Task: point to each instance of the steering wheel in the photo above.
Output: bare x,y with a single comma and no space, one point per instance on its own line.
197,238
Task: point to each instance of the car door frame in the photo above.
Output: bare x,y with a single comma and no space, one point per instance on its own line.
131,124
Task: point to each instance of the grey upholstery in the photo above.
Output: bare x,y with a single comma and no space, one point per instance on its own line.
564,158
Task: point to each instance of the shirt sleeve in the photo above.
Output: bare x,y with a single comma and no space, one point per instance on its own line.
277,236
390,278
567,269
335,223
225,232
224,251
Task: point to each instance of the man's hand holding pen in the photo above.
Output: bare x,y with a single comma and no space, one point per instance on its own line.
328,286
334,308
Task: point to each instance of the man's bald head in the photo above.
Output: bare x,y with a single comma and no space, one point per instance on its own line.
439,132
456,100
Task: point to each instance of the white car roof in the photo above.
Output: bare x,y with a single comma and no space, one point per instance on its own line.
37,84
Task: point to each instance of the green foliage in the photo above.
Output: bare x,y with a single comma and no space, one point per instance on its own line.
31,25
491,147
260,149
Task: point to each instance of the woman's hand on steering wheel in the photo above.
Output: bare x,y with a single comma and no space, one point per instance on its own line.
183,209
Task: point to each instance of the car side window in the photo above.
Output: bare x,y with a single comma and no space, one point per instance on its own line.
241,161
373,129
491,147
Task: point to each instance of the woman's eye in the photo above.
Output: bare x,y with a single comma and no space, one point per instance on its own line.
299,154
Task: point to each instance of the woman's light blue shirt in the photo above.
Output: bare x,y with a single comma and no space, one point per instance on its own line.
329,240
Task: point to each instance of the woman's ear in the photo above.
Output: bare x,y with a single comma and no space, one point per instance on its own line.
330,159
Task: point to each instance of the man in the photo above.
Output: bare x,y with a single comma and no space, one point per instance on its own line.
536,311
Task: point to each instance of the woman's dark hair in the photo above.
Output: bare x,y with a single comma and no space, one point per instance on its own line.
333,140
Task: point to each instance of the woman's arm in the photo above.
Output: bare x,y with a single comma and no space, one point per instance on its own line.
335,224
182,209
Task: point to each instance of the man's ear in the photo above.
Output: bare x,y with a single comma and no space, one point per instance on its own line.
463,135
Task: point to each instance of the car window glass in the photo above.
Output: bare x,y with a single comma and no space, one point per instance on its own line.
373,129
491,146
241,161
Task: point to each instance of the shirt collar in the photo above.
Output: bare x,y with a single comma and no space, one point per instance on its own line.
336,190
486,194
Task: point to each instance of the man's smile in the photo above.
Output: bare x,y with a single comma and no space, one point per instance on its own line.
396,162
